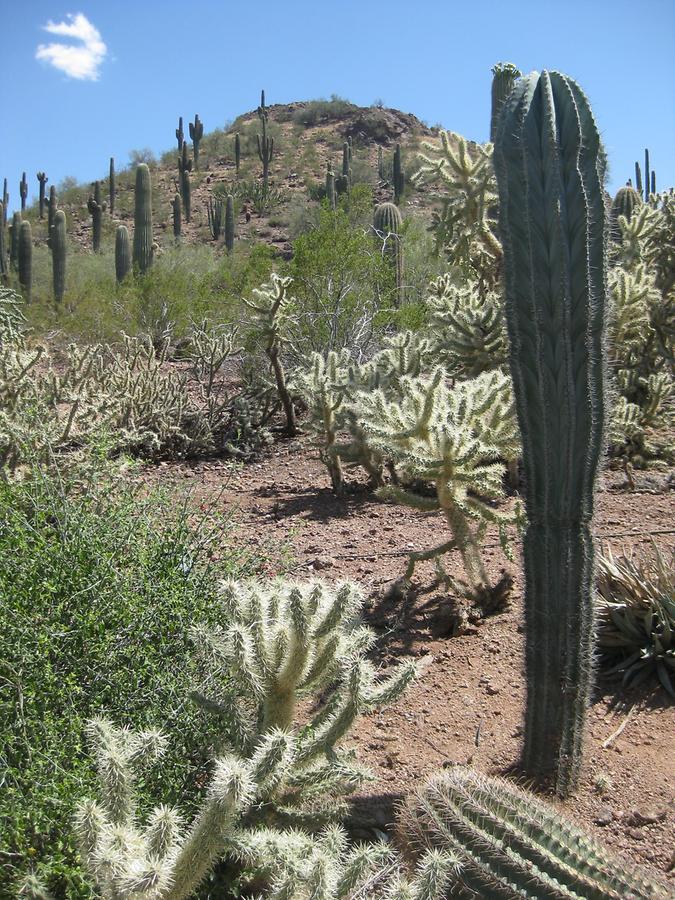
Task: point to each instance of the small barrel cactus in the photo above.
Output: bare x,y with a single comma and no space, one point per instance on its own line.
26,260
122,253
143,220
58,248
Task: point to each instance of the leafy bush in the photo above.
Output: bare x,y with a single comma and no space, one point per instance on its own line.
319,111
98,596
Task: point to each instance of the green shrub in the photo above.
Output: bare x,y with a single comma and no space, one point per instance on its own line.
98,594
320,111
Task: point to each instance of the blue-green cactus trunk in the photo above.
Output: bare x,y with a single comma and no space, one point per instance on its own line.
548,161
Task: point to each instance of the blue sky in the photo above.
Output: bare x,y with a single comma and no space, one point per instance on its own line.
135,67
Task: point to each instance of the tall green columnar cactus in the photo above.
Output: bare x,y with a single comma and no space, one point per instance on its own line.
177,219
237,152
647,178
387,223
504,76
186,193
14,231
26,260
653,182
214,212
508,844
111,186
625,203
399,175
380,164
229,223
58,248
548,161
5,201
23,191
143,220
265,143
196,135
4,266
96,207
638,178
122,253
184,162
51,212
330,186
180,134
42,178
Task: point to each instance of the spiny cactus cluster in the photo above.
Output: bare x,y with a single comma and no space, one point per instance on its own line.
509,844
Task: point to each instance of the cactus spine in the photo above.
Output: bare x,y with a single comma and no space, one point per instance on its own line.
180,134
237,152
177,220
196,135
265,143
4,268
26,260
549,166
504,76
143,220
42,178
387,223
96,207
111,186
330,186
399,176
57,242
507,844
229,223
14,231
122,253
23,191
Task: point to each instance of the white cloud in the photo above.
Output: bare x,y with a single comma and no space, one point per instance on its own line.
81,60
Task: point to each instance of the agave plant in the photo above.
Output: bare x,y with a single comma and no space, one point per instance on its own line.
636,614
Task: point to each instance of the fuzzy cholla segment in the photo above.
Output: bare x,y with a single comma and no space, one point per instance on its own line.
282,643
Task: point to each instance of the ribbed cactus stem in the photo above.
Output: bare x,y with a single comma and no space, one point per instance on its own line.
229,223
625,203
638,178
237,152
143,220
5,201
111,186
26,260
399,175
96,207
346,158
510,845
196,135
122,253
15,230
51,212
330,186
548,160
186,193
653,182
646,174
4,266
387,223
504,76
380,164
23,191
180,134
177,218
58,248
265,143
42,178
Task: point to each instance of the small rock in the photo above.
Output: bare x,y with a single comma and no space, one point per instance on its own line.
604,816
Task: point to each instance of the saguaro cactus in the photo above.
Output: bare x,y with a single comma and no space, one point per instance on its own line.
42,178
51,212
4,267
330,185
549,165
26,260
625,203
196,135
180,134
504,76
237,152
399,175
5,201
177,220
229,223
14,231
186,193
23,191
96,207
122,253
387,223
111,186
143,220
214,212
265,143
58,248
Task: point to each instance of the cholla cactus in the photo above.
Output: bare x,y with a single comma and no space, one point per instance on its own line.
455,439
270,306
511,845
463,228
468,327
280,643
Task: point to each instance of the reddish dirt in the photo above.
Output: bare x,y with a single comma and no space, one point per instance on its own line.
468,705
